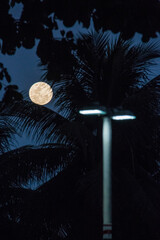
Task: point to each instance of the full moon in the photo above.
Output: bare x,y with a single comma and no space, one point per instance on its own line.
40,93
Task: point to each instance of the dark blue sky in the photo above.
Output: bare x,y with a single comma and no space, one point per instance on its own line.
23,65
24,70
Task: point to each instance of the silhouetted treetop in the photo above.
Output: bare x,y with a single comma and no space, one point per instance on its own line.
39,18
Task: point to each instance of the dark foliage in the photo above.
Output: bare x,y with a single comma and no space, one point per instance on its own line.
36,20
69,205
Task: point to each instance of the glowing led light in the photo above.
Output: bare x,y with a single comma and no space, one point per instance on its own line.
92,112
123,117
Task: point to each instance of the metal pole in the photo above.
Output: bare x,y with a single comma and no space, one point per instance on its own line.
107,174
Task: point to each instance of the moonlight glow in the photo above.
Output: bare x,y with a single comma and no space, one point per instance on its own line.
40,93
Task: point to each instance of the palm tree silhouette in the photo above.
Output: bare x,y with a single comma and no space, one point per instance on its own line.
68,206
7,130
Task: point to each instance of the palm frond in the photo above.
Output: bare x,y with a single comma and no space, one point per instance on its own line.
92,45
44,124
40,122
67,95
145,101
7,135
127,67
33,163
145,106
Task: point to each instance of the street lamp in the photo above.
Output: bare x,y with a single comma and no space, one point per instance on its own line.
107,116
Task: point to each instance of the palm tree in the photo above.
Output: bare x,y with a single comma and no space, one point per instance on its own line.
116,75
7,130
6,135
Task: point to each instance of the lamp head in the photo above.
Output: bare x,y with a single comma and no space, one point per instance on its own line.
120,114
114,114
93,111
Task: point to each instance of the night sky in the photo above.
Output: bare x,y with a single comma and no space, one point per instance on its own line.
23,67
66,189
24,70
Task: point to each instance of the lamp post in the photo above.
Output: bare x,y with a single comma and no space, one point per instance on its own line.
107,117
